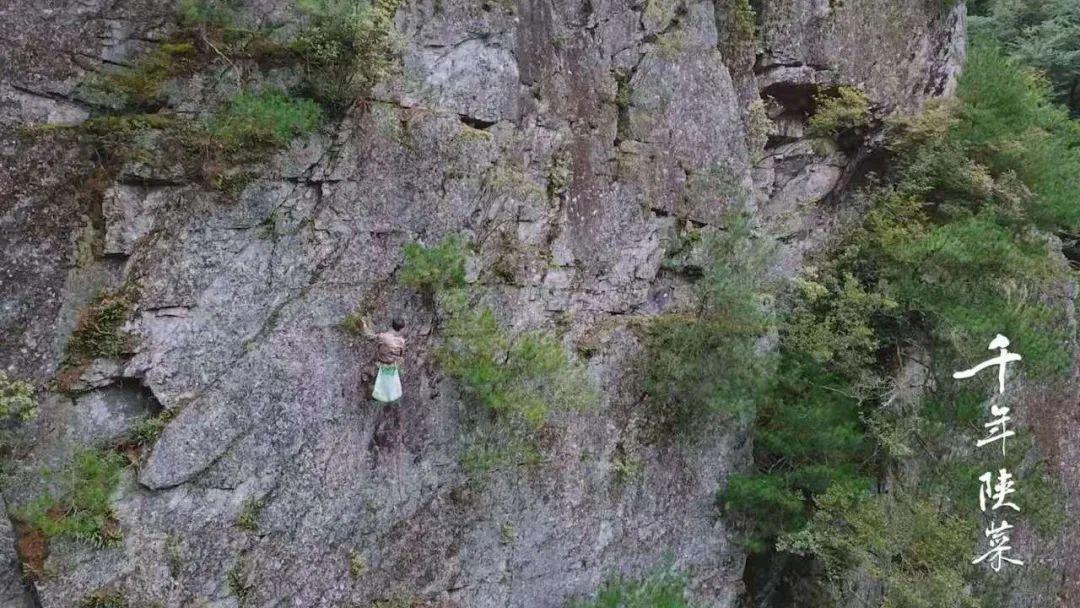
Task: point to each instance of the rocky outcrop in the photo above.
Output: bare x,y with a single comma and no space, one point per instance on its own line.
568,139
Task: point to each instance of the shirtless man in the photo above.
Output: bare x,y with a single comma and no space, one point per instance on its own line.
388,358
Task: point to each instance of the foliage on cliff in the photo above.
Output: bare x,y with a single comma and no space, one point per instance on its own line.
81,508
706,362
955,244
1043,35
663,589
520,378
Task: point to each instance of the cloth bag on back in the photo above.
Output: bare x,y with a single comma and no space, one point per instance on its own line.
387,384
390,355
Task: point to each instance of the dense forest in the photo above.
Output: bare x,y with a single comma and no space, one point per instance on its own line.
961,236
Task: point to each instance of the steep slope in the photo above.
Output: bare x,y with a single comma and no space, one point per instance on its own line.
570,142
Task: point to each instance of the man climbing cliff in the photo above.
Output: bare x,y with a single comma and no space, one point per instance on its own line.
390,353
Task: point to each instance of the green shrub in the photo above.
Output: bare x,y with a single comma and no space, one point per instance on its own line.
833,321
1038,35
708,362
238,579
759,127
232,184
1009,124
839,111
430,269
963,279
266,119
953,472
207,13
520,378
919,552
956,243
744,19
768,501
697,368
99,330
664,589
808,436
810,419
346,47
83,507
738,24
358,564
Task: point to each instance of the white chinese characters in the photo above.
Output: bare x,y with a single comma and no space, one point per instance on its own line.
996,495
1001,343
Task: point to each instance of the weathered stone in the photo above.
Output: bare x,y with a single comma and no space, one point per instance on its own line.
565,139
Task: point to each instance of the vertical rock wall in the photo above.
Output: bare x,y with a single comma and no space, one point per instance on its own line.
569,139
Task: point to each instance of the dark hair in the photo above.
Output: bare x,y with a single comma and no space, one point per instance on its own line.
397,323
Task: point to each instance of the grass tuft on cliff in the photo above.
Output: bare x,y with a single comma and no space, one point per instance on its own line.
99,330
663,589
82,508
103,599
264,119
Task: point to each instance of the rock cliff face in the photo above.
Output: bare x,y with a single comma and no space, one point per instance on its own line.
570,140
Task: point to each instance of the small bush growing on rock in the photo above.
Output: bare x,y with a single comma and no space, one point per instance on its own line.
18,404
207,13
232,183
838,112
918,551
430,269
266,119
358,564
82,509
346,48
99,330
707,361
240,585
833,321
664,589
742,20
520,378
758,129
